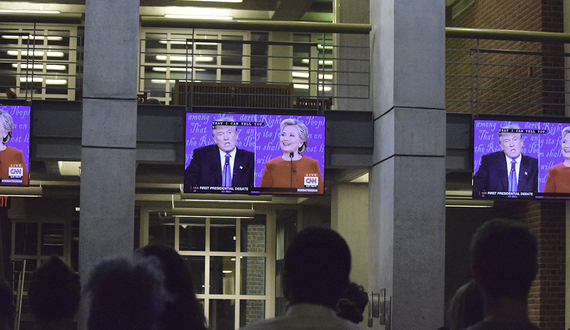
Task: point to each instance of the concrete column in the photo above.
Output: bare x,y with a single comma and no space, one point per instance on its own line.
108,155
407,181
349,217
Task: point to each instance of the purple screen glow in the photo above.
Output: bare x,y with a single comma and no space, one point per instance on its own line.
258,134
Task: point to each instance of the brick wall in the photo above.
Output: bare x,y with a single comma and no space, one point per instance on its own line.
528,83
254,272
542,95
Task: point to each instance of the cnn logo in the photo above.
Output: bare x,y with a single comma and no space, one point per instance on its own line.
311,181
15,172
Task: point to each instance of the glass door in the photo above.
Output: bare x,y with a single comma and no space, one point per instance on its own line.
232,261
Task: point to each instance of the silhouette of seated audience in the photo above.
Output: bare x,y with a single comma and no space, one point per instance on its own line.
184,311
126,294
316,273
504,264
352,304
54,294
7,307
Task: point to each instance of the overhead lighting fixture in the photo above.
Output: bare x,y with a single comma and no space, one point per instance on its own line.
40,66
23,11
321,62
163,69
297,74
233,1
213,17
184,42
184,58
33,37
162,81
67,168
300,86
56,81
34,53
30,79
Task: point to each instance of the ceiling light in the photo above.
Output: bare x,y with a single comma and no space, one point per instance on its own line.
213,17
69,168
162,81
163,69
300,74
30,79
184,58
33,37
326,62
227,271
56,82
34,53
15,11
235,1
184,42
300,86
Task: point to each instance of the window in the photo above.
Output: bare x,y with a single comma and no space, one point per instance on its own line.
231,261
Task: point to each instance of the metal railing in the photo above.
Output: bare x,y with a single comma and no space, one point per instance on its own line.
38,66
507,72
312,70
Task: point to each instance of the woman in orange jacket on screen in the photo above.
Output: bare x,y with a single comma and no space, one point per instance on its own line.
292,169
13,170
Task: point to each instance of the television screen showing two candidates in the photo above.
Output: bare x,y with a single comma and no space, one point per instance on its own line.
254,153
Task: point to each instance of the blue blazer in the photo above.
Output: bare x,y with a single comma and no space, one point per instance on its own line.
492,174
205,168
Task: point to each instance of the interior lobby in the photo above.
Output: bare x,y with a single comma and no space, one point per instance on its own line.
107,163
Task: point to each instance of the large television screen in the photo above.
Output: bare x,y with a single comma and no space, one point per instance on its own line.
15,147
254,153
521,157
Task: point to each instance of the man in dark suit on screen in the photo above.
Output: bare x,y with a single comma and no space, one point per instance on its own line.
221,164
507,170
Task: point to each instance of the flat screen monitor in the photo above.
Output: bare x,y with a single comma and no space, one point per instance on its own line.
521,157
15,147
241,153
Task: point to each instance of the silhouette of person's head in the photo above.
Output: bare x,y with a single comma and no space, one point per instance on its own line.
353,302
316,267
466,307
184,311
504,258
54,294
6,305
125,294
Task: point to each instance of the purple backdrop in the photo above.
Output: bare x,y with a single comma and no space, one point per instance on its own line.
263,140
21,129
545,147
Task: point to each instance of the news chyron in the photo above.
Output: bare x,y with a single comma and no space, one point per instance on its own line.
265,153
15,147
